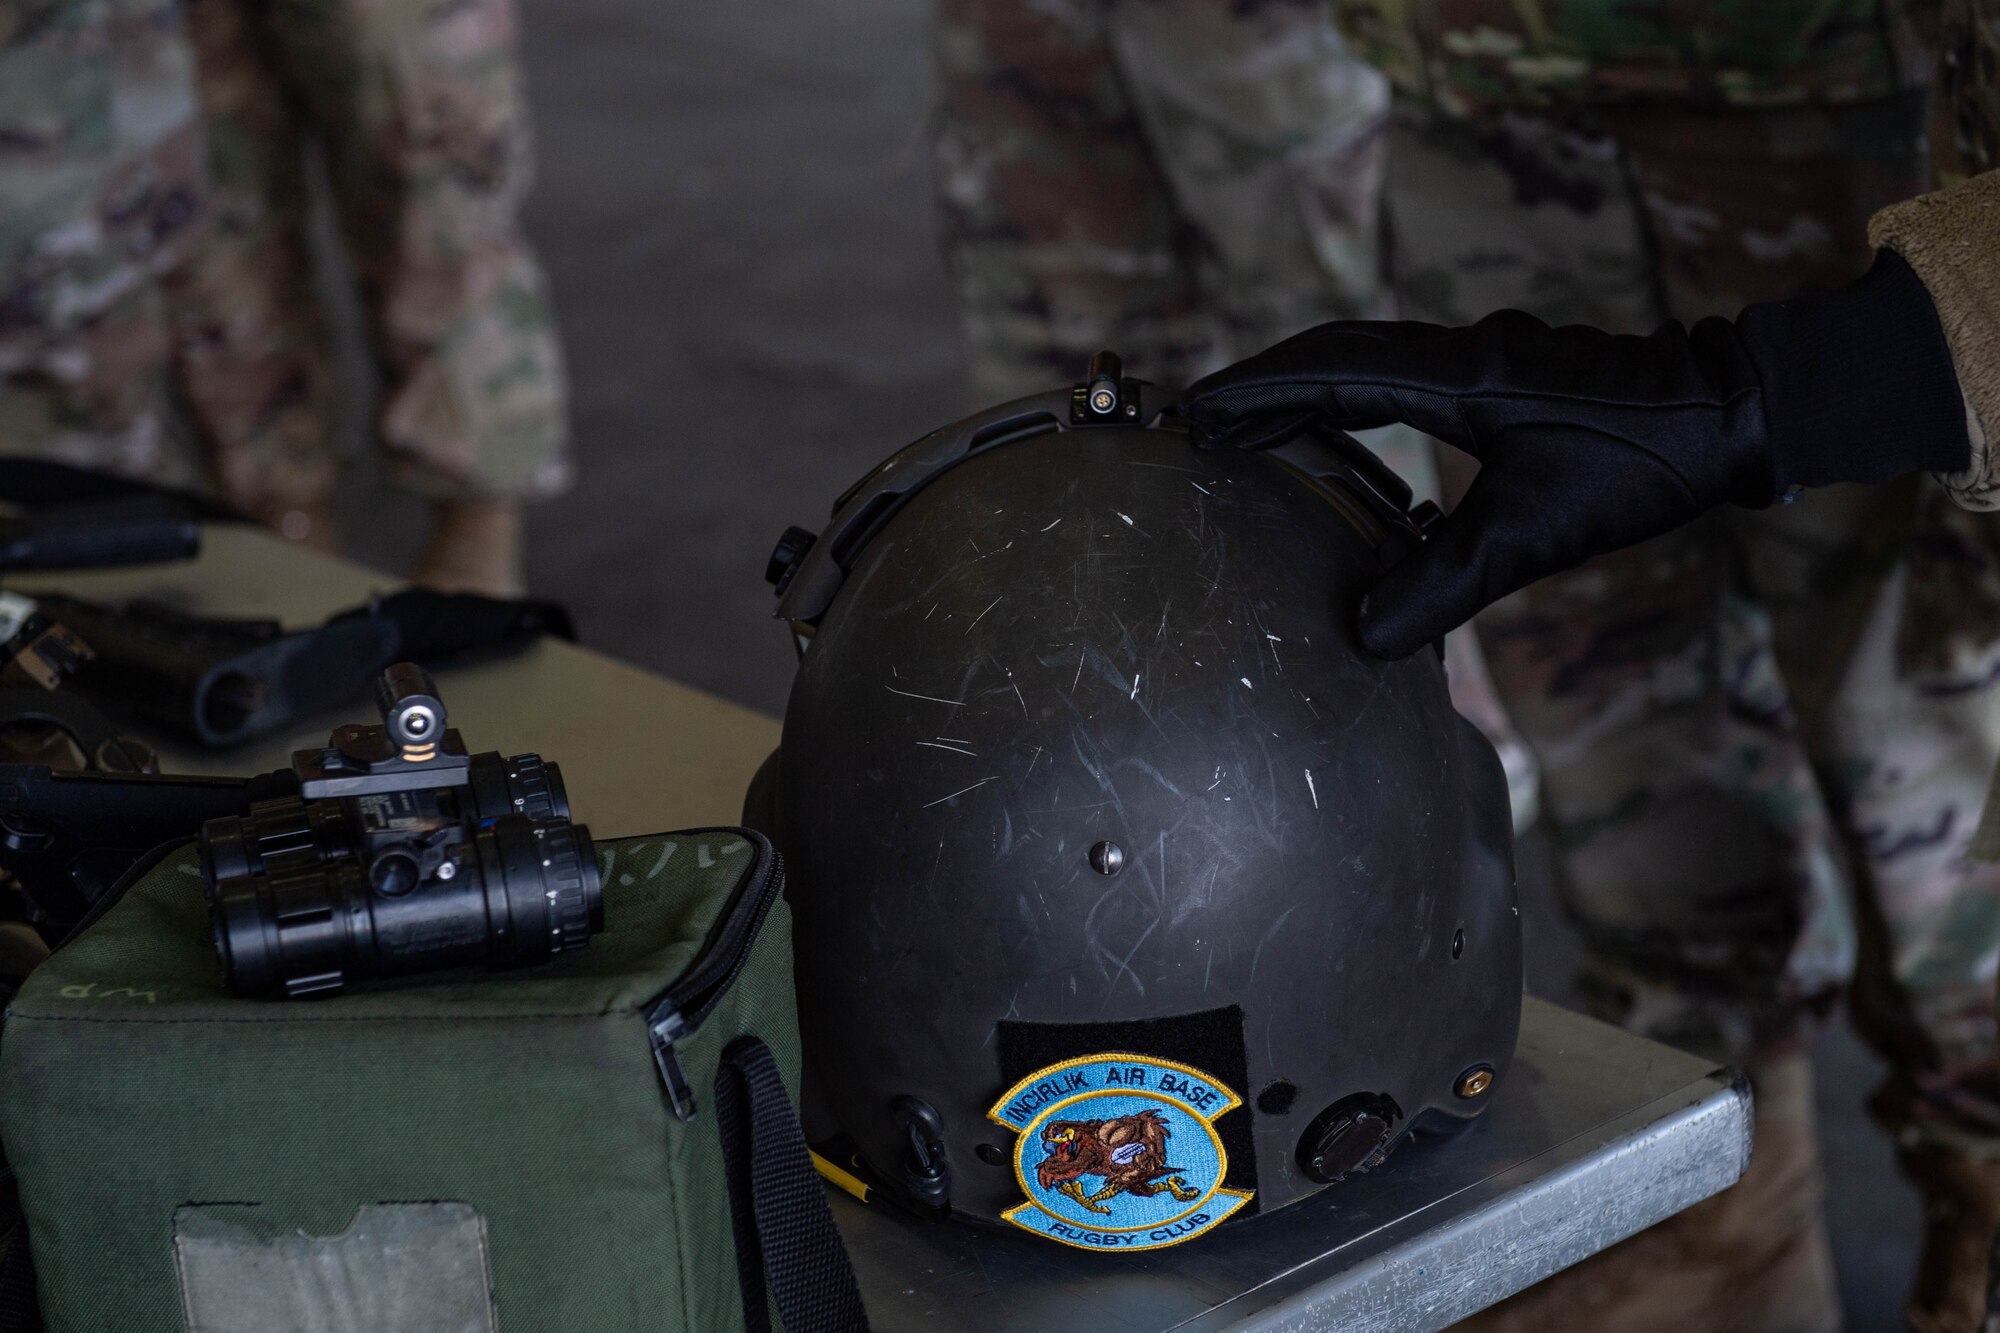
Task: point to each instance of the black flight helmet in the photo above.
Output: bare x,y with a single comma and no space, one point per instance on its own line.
1131,892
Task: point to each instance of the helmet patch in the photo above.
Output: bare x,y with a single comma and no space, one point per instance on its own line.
1119,1152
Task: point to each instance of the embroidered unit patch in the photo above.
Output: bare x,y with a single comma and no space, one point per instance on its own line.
1119,1152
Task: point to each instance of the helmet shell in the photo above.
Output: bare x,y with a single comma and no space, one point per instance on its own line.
1085,756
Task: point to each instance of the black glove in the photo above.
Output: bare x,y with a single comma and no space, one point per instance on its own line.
1590,441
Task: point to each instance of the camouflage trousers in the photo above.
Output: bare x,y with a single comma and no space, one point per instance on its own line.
101,181
1182,181
1764,740
419,114
158,314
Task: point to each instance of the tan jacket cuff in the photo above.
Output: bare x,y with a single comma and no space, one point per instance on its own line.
1952,240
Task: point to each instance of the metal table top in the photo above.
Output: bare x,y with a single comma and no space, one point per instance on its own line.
1595,1135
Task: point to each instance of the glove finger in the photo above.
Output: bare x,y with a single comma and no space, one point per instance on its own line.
1349,408
1469,560
1255,432
1552,497
1356,375
1263,414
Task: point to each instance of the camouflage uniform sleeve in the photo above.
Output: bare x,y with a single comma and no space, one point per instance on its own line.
1952,240
1952,237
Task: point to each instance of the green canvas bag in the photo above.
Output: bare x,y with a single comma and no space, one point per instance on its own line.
602,1143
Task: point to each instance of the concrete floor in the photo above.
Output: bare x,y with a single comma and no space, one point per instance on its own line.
733,206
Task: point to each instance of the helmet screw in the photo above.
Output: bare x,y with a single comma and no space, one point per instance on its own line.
1475,1081
1107,858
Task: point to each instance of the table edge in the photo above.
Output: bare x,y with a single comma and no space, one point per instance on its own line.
1654,1164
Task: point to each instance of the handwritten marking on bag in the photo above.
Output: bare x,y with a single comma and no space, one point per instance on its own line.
88,991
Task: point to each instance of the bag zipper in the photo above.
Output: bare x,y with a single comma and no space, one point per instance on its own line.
680,1009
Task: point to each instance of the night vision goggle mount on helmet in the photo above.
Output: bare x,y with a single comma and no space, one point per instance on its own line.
1132,894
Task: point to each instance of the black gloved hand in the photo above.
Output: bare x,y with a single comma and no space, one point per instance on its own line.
1590,441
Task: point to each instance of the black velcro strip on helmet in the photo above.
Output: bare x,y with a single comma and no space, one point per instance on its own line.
1211,1041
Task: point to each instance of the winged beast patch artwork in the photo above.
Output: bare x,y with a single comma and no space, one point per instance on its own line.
1129,1152
1119,1152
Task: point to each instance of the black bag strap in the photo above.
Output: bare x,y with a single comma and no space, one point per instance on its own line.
777,1205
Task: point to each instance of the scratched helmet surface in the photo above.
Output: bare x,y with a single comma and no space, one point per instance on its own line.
1131,893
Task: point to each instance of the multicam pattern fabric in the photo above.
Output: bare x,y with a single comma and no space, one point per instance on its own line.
1748,724
1965,117
100,190
1977,485
153,243
420,111
1184,181
1471,56
1965,142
